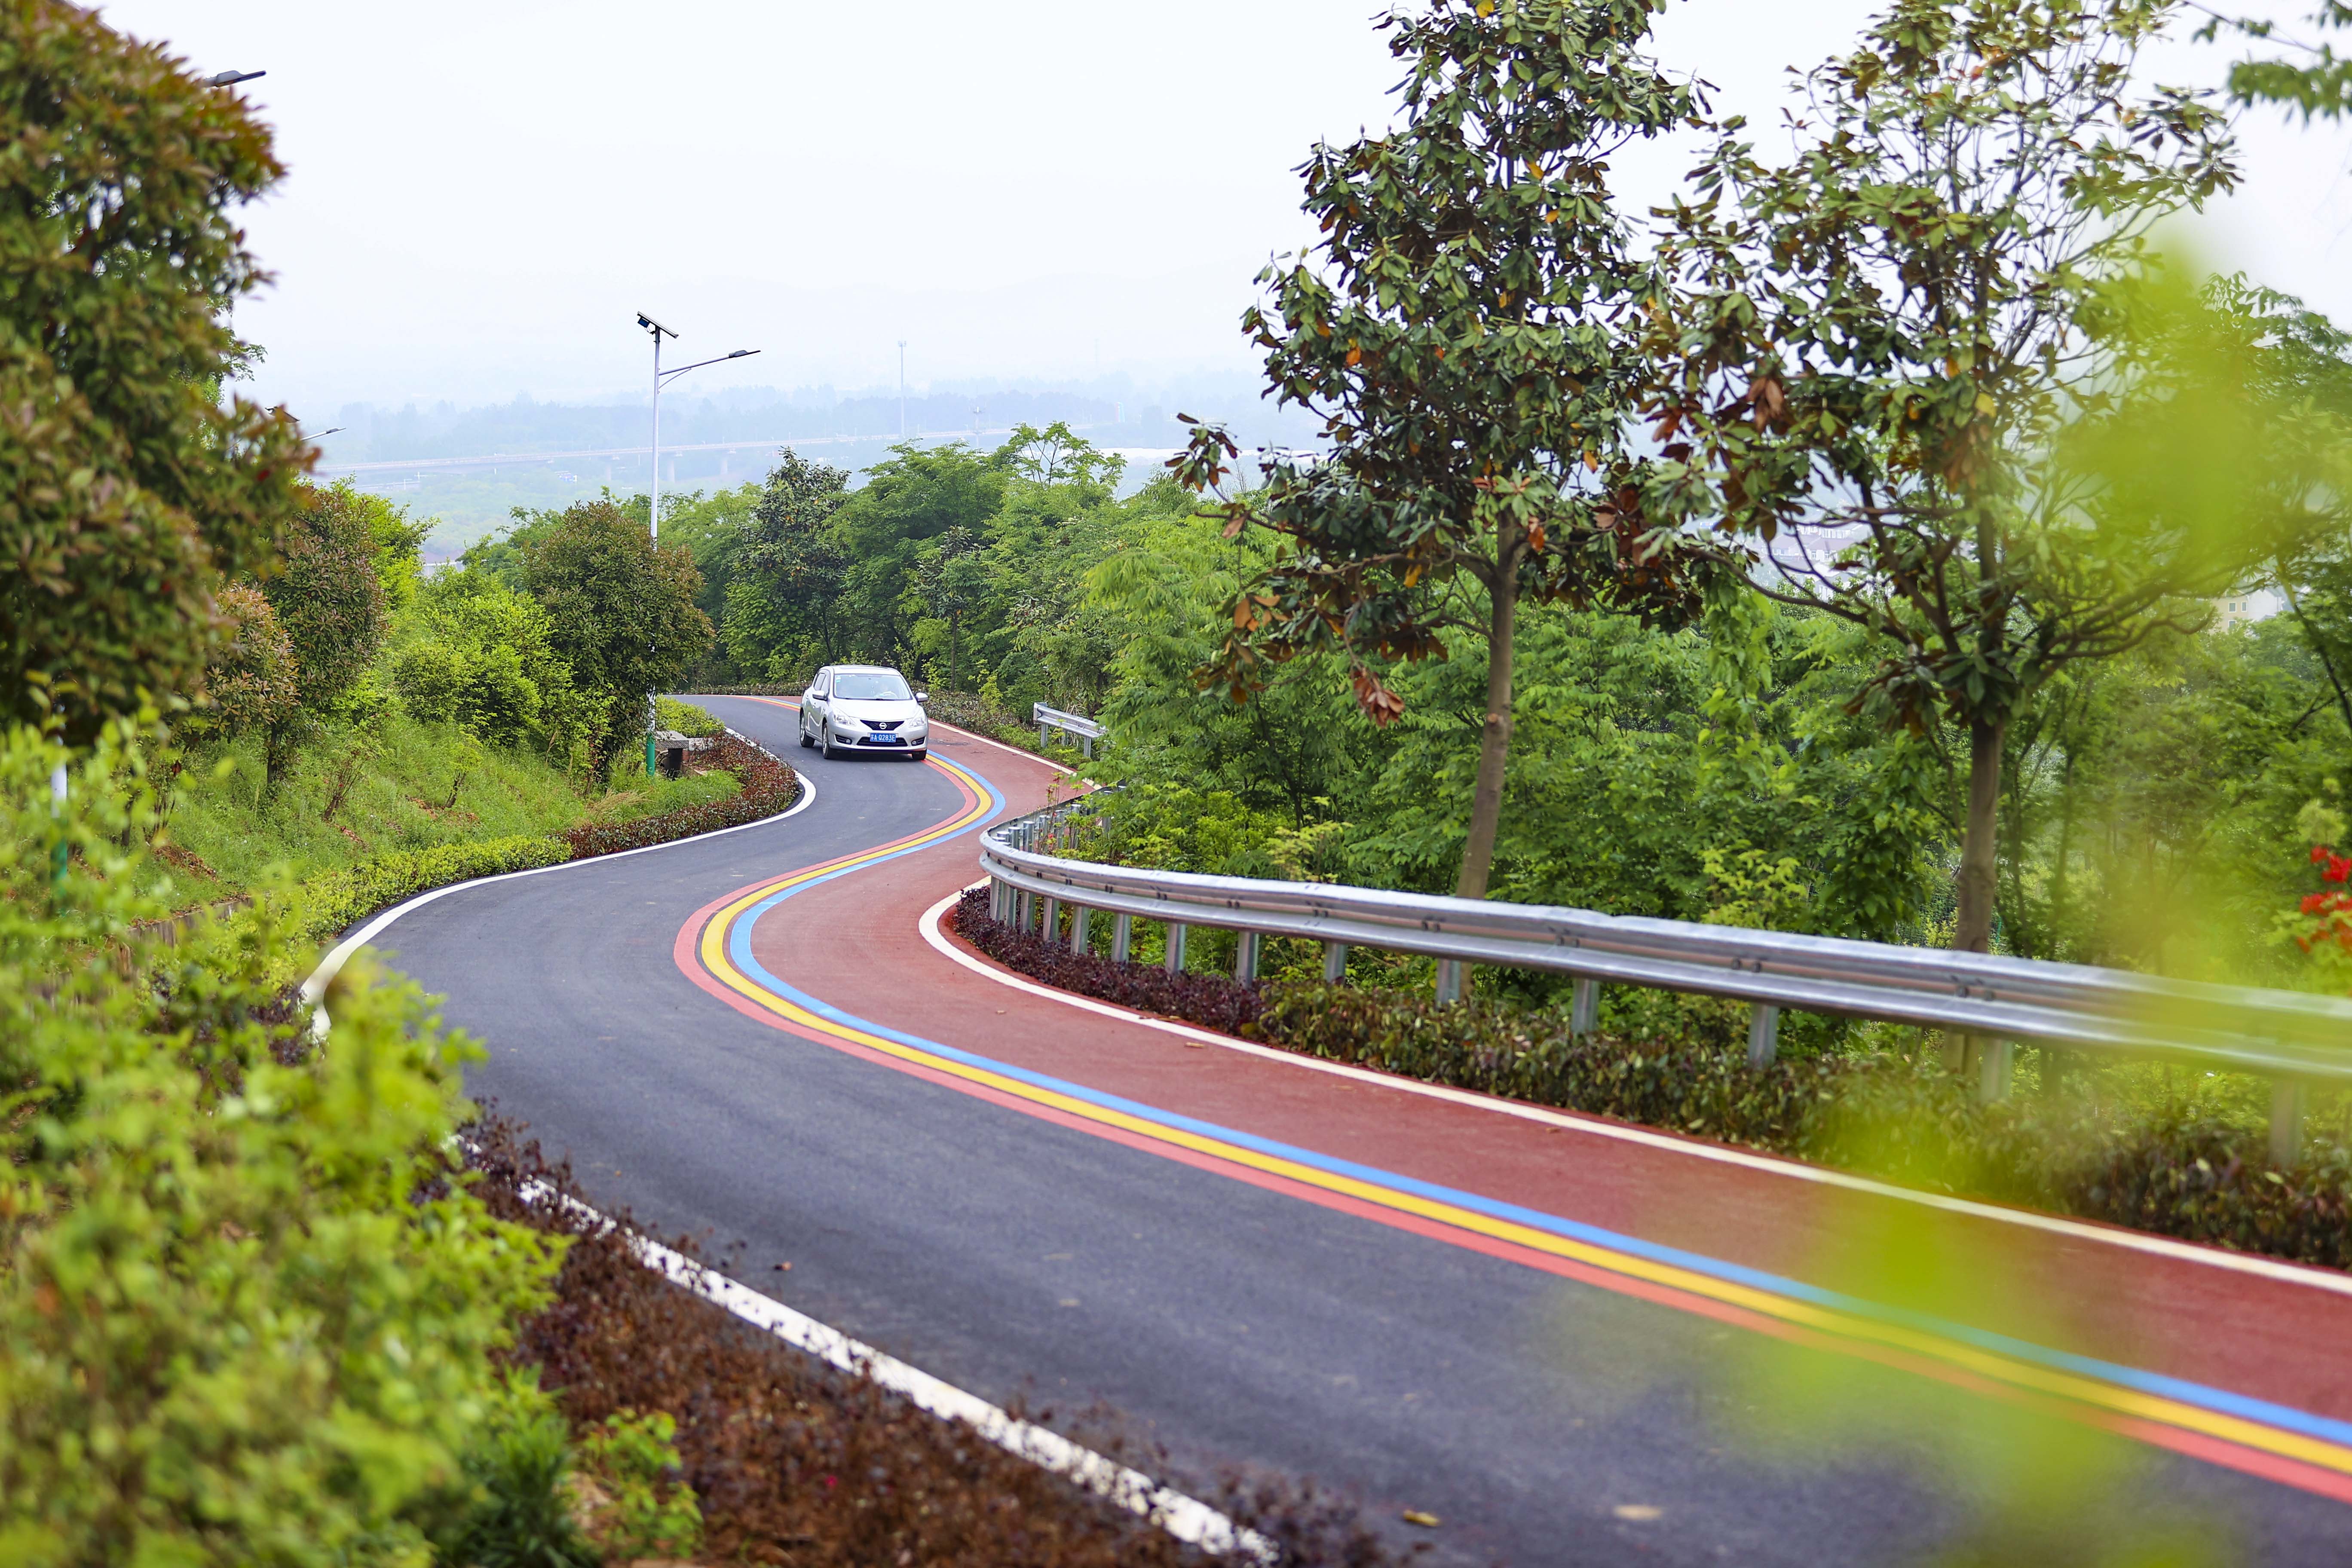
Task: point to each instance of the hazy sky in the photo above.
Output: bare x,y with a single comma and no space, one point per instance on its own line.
483,194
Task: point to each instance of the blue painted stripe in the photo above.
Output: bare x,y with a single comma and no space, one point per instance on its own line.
739,947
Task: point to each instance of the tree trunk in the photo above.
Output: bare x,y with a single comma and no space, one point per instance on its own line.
1981,844
1494,735
2065,854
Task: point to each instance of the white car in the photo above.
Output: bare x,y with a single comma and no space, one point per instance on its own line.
863,708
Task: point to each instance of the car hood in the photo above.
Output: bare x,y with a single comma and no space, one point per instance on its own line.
873,710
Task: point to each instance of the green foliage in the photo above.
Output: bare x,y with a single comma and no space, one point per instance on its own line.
128,486
783,618
331,608
1937,462
250,1315
622,614
1457,329
714,528
334,900
250,681
2312,78
684,718
650,1512
520,1467
478,655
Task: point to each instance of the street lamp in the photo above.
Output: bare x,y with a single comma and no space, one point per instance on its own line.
662,378
230,78
653,518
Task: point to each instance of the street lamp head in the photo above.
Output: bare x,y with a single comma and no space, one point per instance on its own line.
740,353
230,78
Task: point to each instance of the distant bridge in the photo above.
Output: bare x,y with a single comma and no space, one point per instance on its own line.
495,459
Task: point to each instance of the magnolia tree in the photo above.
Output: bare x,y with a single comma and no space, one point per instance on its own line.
1460,328
1910,360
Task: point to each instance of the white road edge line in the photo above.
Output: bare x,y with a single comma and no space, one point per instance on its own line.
1185,1518
2076,1230
333,964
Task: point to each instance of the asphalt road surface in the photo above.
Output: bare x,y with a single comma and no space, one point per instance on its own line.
1547,1411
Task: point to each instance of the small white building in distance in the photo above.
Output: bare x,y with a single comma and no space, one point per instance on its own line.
2235,610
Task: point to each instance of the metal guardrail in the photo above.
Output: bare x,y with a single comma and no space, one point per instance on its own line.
2292,1040
1087,731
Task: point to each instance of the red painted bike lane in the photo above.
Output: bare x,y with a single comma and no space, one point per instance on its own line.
2279,1337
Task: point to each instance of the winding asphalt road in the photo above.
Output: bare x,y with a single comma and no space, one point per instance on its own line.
1570,1342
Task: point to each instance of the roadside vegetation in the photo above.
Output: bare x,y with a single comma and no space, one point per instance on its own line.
2009,610
258,1307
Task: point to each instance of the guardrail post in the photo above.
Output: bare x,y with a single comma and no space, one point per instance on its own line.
1584,1016
2287,1104
1995,1061
1335,962
1079,919
997,890
1246,956
1041,736
1023,911
1052,931
1763,1033
1086,747
1175,947
1122,933
1449,981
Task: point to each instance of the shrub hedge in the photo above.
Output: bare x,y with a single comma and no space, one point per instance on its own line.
2185,1168
1210,1000
769,787
335,900
686,717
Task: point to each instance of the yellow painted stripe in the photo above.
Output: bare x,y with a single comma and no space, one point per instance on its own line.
1990,1364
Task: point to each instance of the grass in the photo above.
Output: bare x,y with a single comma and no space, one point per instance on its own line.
404,786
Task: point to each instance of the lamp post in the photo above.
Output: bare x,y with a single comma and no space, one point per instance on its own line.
653,517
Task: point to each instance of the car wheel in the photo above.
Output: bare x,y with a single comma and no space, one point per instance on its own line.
806,740
826,745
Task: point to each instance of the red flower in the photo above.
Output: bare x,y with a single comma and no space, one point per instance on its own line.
2338,868
2319,852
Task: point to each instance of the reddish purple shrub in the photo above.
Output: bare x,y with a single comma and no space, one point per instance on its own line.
1212,1000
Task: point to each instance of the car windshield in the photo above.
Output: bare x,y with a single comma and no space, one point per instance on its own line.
870,685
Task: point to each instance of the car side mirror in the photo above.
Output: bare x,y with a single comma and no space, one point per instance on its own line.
922,697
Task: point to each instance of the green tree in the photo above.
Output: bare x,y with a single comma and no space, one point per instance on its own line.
951,582
916,494
1058,455
623,614
332,606
128,487
1456,330
784,596
250,683
715,528
1887,336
